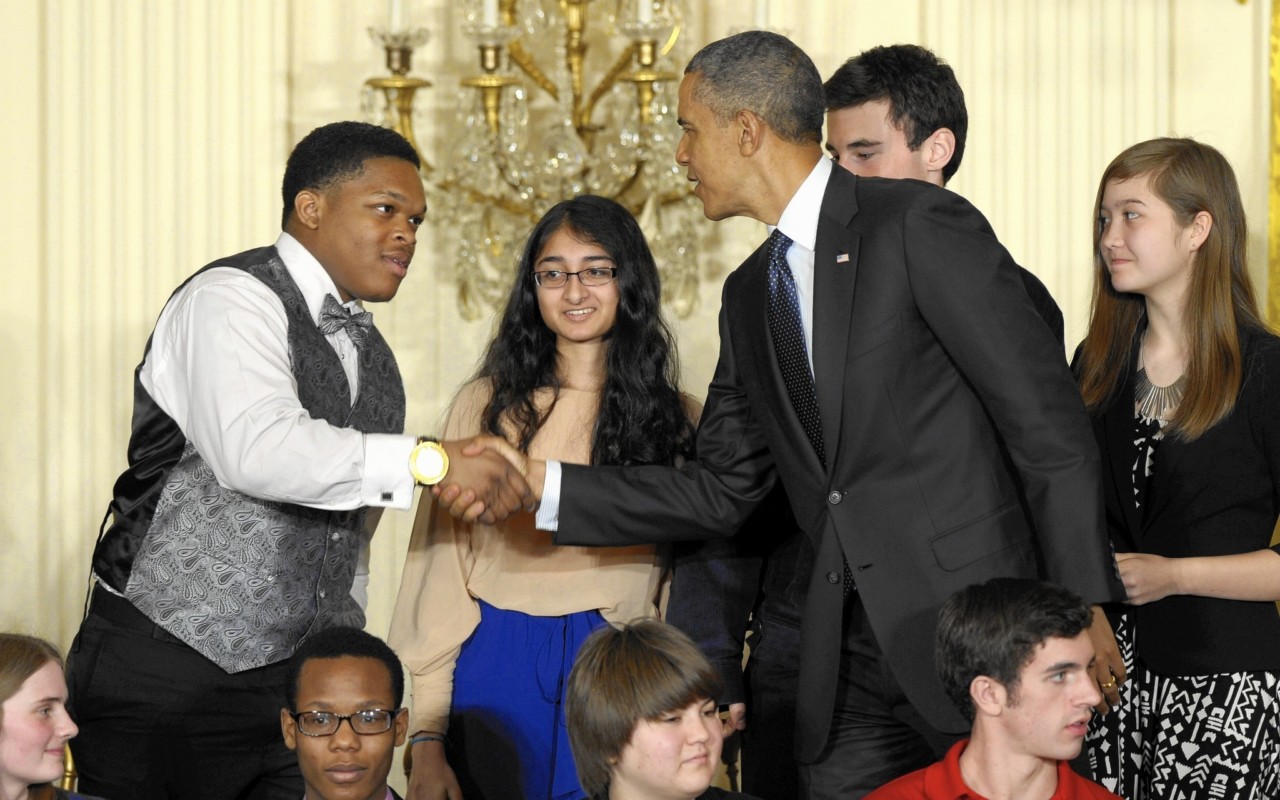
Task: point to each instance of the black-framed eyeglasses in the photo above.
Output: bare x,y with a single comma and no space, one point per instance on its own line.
369,722
558,278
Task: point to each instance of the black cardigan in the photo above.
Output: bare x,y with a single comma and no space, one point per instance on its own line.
1217,495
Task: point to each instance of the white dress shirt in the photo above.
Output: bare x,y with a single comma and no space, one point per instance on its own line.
799,221
219,366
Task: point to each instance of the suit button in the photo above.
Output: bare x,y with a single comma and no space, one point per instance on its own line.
833,577
834,498
322,594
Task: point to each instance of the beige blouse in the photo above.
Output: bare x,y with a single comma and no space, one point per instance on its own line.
512,565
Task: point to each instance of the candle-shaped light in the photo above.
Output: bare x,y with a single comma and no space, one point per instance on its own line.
395,16
762,14
490,14
644,11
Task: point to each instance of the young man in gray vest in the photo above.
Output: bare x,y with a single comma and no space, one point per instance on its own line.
268,416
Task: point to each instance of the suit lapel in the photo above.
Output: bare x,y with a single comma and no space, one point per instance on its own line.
835,269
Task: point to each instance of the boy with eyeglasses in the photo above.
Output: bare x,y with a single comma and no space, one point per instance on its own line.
344,718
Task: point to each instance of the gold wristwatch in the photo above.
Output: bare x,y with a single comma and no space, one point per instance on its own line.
428,462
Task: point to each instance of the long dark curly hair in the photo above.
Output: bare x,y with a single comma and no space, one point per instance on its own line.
642,419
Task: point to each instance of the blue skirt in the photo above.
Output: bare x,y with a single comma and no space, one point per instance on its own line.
506,726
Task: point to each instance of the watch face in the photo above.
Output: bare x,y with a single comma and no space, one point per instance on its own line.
428,462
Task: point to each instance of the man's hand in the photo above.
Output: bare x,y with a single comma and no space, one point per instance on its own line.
737,716
1108,666
481,484
431,777
1147,578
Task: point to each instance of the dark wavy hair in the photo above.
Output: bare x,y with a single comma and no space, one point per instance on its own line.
994,629
641,419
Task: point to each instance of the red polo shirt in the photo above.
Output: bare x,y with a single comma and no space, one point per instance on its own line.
942,781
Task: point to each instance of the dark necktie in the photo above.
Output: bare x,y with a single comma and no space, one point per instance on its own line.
788,341
334,315
787,331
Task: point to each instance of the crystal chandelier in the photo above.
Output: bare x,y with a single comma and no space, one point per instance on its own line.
534,128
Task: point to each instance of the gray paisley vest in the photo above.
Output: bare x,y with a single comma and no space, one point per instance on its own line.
239,579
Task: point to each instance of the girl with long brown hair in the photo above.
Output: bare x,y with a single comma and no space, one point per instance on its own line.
34,724
1182,379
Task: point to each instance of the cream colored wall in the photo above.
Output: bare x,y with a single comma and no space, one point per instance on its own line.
142,139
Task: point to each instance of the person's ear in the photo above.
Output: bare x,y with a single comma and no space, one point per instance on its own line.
989,696
401,725
937,150
751,131
307,206
289,727
1199,229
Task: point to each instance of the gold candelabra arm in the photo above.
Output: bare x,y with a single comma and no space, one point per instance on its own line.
523,59
575,47
491,84
399,92
646,76
607,82
474,195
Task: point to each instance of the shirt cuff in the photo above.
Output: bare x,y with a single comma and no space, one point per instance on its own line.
548,517
387,482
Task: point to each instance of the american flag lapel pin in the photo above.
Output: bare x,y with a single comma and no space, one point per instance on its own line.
842,258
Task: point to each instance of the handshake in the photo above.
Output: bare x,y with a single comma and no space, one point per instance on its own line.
488,480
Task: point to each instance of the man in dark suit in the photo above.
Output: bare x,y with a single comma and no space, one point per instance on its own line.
936,394
892,112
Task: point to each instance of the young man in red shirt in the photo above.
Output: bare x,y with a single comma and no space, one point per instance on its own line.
1014,655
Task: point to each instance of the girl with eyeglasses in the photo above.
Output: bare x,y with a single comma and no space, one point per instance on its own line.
583,370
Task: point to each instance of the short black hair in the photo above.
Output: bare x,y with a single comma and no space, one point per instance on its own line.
994,628
765,73
337,152
336,643
921,88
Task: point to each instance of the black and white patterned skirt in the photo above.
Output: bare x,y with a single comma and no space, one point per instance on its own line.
1188,737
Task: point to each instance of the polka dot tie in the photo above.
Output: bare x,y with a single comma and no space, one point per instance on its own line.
788,341
793,361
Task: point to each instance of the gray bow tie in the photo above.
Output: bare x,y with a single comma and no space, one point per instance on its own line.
333,315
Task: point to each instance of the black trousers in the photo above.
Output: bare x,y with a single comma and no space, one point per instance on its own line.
159,720
768,744
876,734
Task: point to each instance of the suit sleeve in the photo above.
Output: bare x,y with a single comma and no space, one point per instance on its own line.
714,585
968,290
704,499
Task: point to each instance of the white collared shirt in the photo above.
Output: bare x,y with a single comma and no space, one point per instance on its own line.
799,222
219,365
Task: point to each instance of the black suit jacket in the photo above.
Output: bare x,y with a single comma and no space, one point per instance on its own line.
721,587
930,365
1216,495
